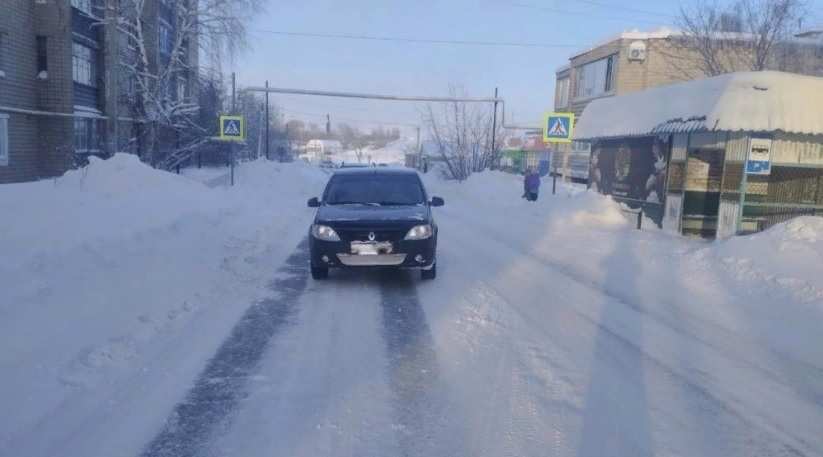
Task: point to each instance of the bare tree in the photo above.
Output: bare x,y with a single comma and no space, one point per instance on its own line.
163,100
747,35
462,134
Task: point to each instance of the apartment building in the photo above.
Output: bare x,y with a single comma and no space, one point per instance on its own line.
62,95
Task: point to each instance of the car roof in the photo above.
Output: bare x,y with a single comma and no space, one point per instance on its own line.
384,171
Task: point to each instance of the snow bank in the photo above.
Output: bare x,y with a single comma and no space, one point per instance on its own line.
587,236
116,265
108,199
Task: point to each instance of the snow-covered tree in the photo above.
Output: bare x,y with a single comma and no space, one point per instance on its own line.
160,67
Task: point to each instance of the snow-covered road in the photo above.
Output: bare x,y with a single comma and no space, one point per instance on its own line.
552,329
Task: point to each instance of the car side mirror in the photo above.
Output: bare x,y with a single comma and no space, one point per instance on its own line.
437,201
314,202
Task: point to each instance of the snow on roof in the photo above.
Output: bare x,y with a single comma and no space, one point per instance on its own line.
747,101
662,32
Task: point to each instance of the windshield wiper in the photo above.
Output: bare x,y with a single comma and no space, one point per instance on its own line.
354,203
398,204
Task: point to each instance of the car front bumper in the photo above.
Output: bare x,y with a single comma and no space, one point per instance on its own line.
404,254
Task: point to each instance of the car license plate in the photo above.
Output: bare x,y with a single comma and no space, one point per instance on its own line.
370,248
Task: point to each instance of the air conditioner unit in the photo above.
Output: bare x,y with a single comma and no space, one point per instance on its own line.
637,51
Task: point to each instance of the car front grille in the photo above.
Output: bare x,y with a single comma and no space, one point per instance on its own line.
363,234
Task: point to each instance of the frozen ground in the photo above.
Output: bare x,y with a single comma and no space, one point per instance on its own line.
147,314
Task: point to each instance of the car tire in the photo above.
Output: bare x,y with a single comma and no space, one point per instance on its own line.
319,273
431,273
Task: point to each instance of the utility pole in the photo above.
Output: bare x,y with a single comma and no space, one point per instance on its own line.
233,111
494,129
419,149
268,122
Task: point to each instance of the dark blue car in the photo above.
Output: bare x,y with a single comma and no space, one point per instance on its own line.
374,217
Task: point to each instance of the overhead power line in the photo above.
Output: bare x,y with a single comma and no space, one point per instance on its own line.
590,14
348,119
627,9
346,36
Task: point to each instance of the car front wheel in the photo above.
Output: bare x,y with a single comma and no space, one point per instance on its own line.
319,272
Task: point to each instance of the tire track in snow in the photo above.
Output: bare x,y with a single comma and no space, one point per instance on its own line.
425,423
190,427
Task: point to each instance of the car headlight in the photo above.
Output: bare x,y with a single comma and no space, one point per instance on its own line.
419,232
324,232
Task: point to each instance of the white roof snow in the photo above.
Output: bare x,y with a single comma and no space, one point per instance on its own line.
748,101
662,32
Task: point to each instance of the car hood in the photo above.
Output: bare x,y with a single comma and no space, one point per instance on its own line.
356,215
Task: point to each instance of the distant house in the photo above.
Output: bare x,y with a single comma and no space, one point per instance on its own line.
714,157
319,150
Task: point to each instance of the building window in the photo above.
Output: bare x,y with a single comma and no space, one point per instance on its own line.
42,54
4,140
165,38
561,96
595,78
84,64
85,136
182,87
82,5
2,42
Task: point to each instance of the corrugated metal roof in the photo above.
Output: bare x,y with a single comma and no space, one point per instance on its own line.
747,101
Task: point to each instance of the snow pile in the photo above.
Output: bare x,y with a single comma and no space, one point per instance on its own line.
104,201
118,265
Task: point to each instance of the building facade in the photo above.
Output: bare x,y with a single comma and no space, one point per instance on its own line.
62,90
635,61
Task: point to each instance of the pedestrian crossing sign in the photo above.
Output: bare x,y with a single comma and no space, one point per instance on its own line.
558,127
232,128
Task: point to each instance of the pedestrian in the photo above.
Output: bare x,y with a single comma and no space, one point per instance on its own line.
531,184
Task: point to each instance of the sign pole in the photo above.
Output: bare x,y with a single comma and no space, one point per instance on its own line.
267,121
233,111
494,128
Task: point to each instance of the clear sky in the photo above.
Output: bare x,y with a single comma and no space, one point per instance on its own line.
524,75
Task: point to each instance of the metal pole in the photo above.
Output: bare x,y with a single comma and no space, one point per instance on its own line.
419,150
233,89
268,123
494,128
233,111
554,182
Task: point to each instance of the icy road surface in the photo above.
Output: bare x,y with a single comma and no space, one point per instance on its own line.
553,329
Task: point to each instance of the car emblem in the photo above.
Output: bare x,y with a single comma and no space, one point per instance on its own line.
372,236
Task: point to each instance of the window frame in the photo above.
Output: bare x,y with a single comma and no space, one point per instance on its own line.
86,126
42,53
606,65
84,6
562,92
91,60
5,155
162,26
2,52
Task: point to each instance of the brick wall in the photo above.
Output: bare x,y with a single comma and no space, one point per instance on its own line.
55,93
36,143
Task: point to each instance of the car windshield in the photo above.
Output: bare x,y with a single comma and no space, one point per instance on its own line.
375,188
